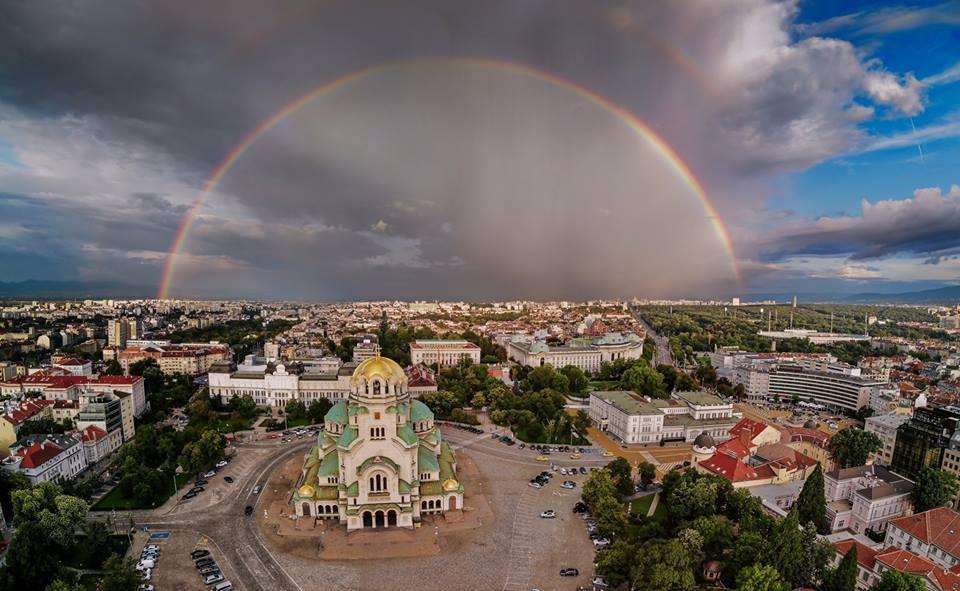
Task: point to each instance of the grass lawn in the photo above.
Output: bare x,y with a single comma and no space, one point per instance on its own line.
223,425
303,422
660,513
642,505
603,386
115,499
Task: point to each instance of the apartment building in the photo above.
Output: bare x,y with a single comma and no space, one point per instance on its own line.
185,358
885,427
865,498
44,458
445,353
933,535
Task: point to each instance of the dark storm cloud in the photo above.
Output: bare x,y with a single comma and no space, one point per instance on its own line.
925,225
169,87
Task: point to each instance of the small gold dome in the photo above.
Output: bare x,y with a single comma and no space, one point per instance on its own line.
307,491
450,484
384,368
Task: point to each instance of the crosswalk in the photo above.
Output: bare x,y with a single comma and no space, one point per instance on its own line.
521,545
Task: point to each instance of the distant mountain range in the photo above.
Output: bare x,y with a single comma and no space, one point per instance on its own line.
940,295
73,289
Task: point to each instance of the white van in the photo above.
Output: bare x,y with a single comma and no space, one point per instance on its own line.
145,564
224,586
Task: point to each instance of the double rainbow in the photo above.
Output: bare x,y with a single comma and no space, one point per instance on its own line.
628,118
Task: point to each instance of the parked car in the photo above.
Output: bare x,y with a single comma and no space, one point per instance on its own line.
535,484
146,587
583,469
211,579
569,572
198,554
146,564
256,490
200,482
204,562
548,514
147,575
224,586
209,570
580,507
210,474
601,542
152,547
221,464
248,510
228,479
568,484
542,458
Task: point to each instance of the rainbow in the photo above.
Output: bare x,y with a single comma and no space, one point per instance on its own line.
628,118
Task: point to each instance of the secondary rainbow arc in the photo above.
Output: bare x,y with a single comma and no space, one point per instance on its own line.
632,121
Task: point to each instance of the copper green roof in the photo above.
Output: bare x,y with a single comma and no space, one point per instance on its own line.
420,411
356,409
312,457
337,413
430,488
447,461
354,489
377,459
349,436
406,434
427,460
326,493
330,464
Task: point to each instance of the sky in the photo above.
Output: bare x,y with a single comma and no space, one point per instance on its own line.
436,149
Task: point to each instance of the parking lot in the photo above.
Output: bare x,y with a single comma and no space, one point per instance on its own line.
174,568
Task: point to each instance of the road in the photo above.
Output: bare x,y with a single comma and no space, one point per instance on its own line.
224,524
662,354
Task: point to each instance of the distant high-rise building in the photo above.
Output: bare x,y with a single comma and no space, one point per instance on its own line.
134,328
118,332
794,301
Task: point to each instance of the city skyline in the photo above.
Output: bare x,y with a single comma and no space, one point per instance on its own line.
369,151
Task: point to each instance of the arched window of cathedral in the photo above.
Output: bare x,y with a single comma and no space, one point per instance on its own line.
376,388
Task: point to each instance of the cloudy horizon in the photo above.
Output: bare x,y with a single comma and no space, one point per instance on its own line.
825,142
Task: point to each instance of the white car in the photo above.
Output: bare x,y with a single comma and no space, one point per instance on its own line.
563,471
210,474
535,485
601,542
146,587
147,574
221,463
211,579
599,582
256,490
568,484
152,547
549,513
146,564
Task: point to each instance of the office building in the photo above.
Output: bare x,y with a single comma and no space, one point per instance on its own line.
921,441
631,418
885,427
587,354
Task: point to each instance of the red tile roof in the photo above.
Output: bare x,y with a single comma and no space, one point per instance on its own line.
117,380
38,454
93,433
940,527
754,427
866,555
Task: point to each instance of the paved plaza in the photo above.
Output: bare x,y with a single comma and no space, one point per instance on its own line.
497,542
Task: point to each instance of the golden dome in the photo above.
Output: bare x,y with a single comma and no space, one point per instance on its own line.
307,491
384,368
450,484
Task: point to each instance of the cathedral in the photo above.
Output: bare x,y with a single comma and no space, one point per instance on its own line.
380,460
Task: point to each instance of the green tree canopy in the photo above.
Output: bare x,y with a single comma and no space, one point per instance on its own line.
812,503
643,380
894,580
844,577
934,488
600,484
622,474
761,577
577,381
666,565
648,472
120,574
785,548
851,447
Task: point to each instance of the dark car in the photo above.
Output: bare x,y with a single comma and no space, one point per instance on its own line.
248,510
188,496
569,572
583,469
198,554
204,562
200,482
580,507
197,489
228,479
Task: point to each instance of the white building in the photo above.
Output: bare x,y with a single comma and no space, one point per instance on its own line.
446,353
865,498
275,385
44,458
631,418
98,444
835,386
885,427
587,354
933,535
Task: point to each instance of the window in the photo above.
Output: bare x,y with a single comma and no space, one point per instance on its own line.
378,433
378,483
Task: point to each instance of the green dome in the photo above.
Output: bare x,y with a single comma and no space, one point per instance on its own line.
420,412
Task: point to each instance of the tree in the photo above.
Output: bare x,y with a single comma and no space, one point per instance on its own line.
693,498
785,548
622,475
440,402
812,503
670,375
747,551
934,488
615,561
648,472
844,577
666,566
761,577
295,409
61,585
600,484
816,554
247,406
120,575
577,381
318,409
685,383
581,423
851,447
149,369
894,580
611,516
32,559
113,368
643,380
716,533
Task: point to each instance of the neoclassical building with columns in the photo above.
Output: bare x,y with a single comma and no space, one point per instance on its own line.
380,460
